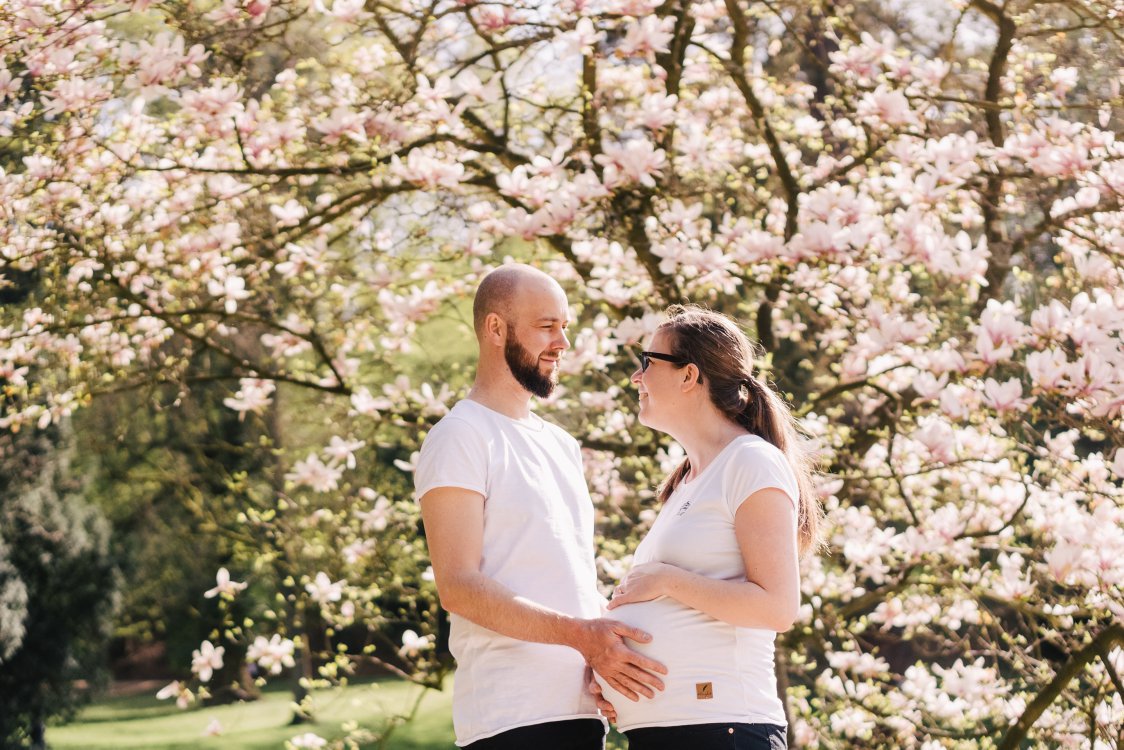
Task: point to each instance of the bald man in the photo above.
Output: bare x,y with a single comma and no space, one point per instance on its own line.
509,524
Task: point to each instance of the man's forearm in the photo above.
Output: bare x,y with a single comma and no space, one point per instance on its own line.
491,605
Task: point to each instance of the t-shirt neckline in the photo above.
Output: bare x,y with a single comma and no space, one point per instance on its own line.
717,459
533,421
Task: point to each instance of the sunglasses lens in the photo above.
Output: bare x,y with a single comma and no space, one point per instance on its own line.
644,362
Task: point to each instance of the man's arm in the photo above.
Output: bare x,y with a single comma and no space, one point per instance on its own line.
454,530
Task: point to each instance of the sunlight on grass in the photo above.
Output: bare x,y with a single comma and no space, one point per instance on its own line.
144,722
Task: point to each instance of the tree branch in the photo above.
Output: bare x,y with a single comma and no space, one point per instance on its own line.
1108,638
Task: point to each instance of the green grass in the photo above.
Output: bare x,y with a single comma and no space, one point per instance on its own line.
144,722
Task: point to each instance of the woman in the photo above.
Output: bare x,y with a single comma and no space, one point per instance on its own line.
716,577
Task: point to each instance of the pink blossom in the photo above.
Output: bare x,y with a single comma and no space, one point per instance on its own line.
224,586
289,214
315,474
257,9
1005,397
1118,463
254,395
342,122
343,451
885,106
377,518
647,36
217,102
348,11
367,405
323,591
184,697
928,386
272,655
427,171
206,659
412,643
229,287
633,161
71,94
9,85
657,111
937,437
583,39
1047,368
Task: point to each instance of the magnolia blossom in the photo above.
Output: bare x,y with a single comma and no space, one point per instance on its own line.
633,161
375,519
315,474
184,697
413,644
937,437
1005,396
206,659
254,395
224,586
342,451
307,741
647,36
272,655
323,591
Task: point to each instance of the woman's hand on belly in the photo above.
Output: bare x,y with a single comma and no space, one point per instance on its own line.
644,583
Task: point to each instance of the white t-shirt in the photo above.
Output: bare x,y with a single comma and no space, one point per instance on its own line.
716,672
538,542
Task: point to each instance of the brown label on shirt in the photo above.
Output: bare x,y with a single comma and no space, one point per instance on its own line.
704,691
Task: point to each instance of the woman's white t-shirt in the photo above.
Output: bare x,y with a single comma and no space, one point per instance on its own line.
538,542
716,672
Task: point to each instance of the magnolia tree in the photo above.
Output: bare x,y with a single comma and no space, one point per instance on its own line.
915,208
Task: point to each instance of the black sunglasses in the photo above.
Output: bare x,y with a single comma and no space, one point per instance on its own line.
647,357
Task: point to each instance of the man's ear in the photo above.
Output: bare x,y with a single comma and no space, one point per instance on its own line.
495,329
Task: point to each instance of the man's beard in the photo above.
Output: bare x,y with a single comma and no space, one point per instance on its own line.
524,366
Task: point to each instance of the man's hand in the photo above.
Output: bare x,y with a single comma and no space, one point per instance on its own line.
605,707
601,642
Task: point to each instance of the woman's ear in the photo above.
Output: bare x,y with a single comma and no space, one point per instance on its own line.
692,377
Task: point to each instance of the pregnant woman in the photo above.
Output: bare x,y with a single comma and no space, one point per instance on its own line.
716,577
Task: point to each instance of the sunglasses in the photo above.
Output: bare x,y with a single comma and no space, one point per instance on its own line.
647,357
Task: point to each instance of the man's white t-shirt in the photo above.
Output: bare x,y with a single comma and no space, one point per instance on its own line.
716,672
538,542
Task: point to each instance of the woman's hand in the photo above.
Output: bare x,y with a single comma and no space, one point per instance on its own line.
644,583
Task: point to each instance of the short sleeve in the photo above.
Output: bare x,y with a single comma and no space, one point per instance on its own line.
757,466
454,454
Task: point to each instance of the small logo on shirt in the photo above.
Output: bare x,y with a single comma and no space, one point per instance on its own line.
704,691
684,508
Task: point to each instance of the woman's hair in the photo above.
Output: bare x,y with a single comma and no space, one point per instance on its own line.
724,355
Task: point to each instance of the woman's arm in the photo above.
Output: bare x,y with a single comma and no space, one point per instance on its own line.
765,525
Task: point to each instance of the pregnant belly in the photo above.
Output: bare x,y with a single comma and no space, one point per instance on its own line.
700,654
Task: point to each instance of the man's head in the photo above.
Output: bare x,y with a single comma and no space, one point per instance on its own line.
520,315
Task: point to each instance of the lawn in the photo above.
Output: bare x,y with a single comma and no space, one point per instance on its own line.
144,722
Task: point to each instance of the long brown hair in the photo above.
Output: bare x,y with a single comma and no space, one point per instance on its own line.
724,355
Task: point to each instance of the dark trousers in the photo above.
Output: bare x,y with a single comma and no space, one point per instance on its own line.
709,737
572,734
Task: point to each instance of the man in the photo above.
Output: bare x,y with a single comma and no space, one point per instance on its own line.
509,524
